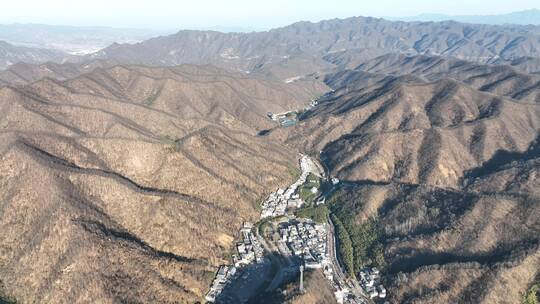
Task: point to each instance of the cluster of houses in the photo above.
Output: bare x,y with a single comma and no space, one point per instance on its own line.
224,275
299,237
370,282
277,203
249,249
307,240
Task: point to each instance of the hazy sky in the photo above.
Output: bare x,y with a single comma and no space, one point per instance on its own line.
177,14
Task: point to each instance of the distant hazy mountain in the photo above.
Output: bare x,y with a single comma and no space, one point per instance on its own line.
10,54
229,29
71,39
526,17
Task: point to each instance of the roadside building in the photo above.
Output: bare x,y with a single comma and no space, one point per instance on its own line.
382,292
373,293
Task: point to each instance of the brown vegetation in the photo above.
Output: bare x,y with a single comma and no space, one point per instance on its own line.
107,197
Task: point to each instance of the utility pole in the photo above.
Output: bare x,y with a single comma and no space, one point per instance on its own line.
301,278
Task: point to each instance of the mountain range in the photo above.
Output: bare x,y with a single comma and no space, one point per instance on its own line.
303,48
299,49
10,54
125,174
442,154
116,179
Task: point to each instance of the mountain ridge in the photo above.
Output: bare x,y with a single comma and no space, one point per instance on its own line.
104,188
125,176
312,41
10,54
445,170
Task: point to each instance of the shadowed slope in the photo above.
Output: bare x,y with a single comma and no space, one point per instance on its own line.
501,80
409,130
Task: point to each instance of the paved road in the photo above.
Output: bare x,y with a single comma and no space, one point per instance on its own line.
338,270
353,285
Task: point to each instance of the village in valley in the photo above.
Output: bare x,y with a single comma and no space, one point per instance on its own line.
304,239
301,243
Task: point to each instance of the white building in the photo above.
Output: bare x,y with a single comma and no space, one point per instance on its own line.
382,292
